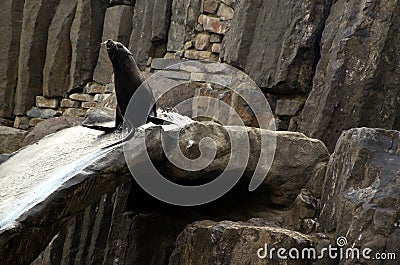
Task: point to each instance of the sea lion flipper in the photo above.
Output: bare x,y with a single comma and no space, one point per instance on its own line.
106,130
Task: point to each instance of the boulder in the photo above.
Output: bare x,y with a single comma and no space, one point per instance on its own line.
85,35
285,178
150,30
355,83
10,19
118,27
99,116
56,71
235,243
361,193
37,18
36,112
10,139
277,42
183,23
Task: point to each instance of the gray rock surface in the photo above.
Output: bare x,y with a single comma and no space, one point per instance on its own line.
183,22
118,27
356,80
285,179
235,243
10,19
56,71
50,126
10,139
37,17
277,42
361,192
86,31
36,112
150,29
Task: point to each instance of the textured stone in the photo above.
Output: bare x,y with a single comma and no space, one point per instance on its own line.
86,33
56,71
277,42
202,41
185,14
188,45
150,30
225,11
215,25
231,3
235,243
284,180
361,192
123,2
110,88
35,121
99,116
216,48
210,6
50,126
100,97
43,102
215,38
73,112
36,112
288,107
82,97
21,122
37,17
118,27
178,98
10,19
197,55
356,80
89,105
94,88
161,64
68,103
200,20
10,139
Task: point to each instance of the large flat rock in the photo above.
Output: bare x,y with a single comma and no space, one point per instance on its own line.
235,243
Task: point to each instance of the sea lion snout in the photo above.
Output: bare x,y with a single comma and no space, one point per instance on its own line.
109,44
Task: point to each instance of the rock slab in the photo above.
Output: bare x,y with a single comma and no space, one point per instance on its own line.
361,193
356,80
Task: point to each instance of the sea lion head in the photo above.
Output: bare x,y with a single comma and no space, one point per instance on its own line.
117,52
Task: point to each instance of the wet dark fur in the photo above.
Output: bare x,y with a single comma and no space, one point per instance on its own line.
127,79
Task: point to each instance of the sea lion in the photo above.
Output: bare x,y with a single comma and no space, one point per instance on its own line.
127,79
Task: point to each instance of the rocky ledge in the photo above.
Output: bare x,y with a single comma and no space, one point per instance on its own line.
308,199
